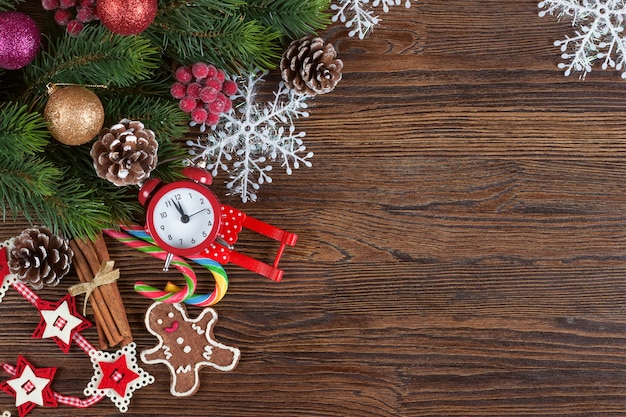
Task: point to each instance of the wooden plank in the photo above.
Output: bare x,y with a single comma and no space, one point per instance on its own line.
461,242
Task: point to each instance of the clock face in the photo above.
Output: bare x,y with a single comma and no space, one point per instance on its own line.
184,218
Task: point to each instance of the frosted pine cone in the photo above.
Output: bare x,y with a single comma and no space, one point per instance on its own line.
310,66
126,153
40,257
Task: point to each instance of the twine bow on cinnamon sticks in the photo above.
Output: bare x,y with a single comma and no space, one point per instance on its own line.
98,282
105,275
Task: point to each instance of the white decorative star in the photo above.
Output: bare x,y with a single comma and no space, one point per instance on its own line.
24,391
63,332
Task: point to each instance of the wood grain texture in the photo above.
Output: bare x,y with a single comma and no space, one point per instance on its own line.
462,240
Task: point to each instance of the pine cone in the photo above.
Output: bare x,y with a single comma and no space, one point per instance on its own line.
126,153
309,66
40,257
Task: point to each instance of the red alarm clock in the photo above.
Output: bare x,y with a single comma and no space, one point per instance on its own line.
185,218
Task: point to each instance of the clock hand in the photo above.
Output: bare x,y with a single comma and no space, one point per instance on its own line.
199,211
179,207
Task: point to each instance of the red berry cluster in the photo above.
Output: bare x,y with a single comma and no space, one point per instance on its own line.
73,14
204,92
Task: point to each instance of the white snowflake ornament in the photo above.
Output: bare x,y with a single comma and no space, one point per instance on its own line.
255,137
387,3
599,35
355,15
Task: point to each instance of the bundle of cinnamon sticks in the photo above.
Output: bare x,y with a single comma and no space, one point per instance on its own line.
106,300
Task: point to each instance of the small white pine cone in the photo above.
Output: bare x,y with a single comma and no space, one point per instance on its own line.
310,66
39,257
125,153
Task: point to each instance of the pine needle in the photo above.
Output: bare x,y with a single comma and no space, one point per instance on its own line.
292,18
204,32
21,132
9,5
98,57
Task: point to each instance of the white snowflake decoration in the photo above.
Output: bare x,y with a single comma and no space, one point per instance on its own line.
600,26
358,17
254,137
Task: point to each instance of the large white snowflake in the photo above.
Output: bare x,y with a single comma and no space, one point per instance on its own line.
358,17
599,33
254,137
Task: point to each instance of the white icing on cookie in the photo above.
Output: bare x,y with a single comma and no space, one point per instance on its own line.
166,352
183,369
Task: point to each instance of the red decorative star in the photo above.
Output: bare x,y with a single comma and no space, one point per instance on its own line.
116,375
59,321
4,264
30,387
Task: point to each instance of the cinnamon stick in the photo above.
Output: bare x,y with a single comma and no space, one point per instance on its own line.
101,248
109,292
102,338
101,311
102,252
80,268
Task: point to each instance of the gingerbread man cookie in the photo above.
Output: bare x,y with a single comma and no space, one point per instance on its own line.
186,345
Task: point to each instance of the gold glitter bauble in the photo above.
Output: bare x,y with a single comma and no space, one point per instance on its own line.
75,115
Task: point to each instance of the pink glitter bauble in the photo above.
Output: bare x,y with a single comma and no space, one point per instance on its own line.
126,17
20,40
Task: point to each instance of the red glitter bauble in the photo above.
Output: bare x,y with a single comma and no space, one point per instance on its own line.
126,17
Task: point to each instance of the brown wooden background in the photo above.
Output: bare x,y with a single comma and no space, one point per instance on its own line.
462,240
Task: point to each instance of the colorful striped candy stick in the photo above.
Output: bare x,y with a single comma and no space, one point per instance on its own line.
218,272
151,292
200,300
221,283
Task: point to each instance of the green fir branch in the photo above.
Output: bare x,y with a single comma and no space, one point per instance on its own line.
158,85
161,115
189,33
47,195
120,203
293,18
221,7
97,57
21,132
24,178
73,211
171,162
9,5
